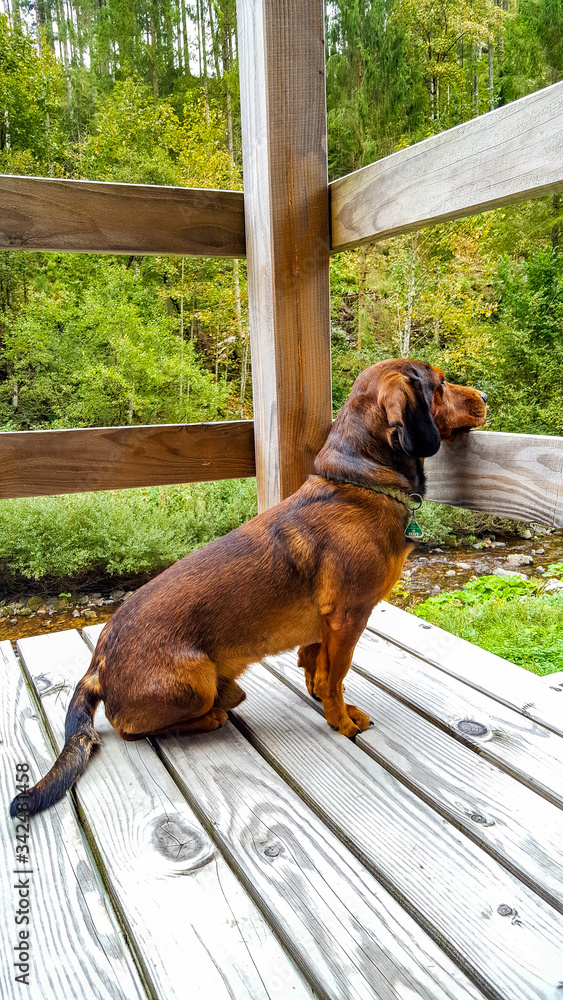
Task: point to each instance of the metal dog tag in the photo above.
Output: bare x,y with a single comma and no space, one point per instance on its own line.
413,530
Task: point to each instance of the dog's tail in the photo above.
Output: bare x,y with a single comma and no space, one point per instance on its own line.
80,739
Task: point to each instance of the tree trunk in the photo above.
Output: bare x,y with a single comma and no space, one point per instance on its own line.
476,79
153,55
185,39
491,78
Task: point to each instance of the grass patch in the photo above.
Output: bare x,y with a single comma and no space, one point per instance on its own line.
120,531
506,615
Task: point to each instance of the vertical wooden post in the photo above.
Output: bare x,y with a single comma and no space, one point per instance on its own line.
283,106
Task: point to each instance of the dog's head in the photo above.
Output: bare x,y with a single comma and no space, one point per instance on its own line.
397,407
419,407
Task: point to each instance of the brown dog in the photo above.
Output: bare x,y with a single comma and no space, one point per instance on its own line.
307,572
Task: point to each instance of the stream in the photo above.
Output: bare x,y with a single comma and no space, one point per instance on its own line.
430,569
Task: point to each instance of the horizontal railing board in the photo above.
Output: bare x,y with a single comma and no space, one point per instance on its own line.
518,476
45,463
95,217
507,155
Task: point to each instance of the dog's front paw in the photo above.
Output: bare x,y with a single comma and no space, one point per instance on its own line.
347,728
360,718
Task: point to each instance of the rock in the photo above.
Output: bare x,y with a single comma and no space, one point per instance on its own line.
116,595
423,561
553,585
84,599
450,572
519,559
539,552
95,597
96,602
89,614
436,589
501,571
525,533
35,603
437,550
540,570
76,614
13,621
6,612
128,594
462,565
24,612
499,545
42,611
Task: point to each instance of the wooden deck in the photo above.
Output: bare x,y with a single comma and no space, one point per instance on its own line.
276,859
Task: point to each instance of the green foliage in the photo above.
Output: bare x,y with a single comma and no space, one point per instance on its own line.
526,629
94,346
138,138
122,531
481,591
555,570
31,138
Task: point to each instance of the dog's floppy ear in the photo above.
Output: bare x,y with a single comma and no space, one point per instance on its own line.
406,398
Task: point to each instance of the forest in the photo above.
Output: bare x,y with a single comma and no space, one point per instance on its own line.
148,92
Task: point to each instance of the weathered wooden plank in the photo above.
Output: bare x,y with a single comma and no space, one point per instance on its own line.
76,946
41,463
188,919
511,475
282,81
519,828
499,931
38,213
501,680
507,155
521,747
351,939
313,890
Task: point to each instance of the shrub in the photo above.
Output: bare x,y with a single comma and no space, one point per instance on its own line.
117,532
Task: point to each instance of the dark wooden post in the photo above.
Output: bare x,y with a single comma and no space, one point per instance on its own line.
282,77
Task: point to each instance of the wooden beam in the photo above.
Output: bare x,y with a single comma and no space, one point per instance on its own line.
92,217
43,463
282,79
518,476
507,155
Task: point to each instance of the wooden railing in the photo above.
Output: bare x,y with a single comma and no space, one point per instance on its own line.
282,225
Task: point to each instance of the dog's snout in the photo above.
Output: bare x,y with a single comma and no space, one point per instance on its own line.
484,396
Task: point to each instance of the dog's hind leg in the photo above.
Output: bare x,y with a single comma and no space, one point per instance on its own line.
179,696
213,719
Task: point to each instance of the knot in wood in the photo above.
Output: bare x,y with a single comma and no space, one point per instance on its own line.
186,846
272,850
471,728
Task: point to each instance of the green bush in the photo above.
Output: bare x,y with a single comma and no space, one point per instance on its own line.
118,532
506,615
